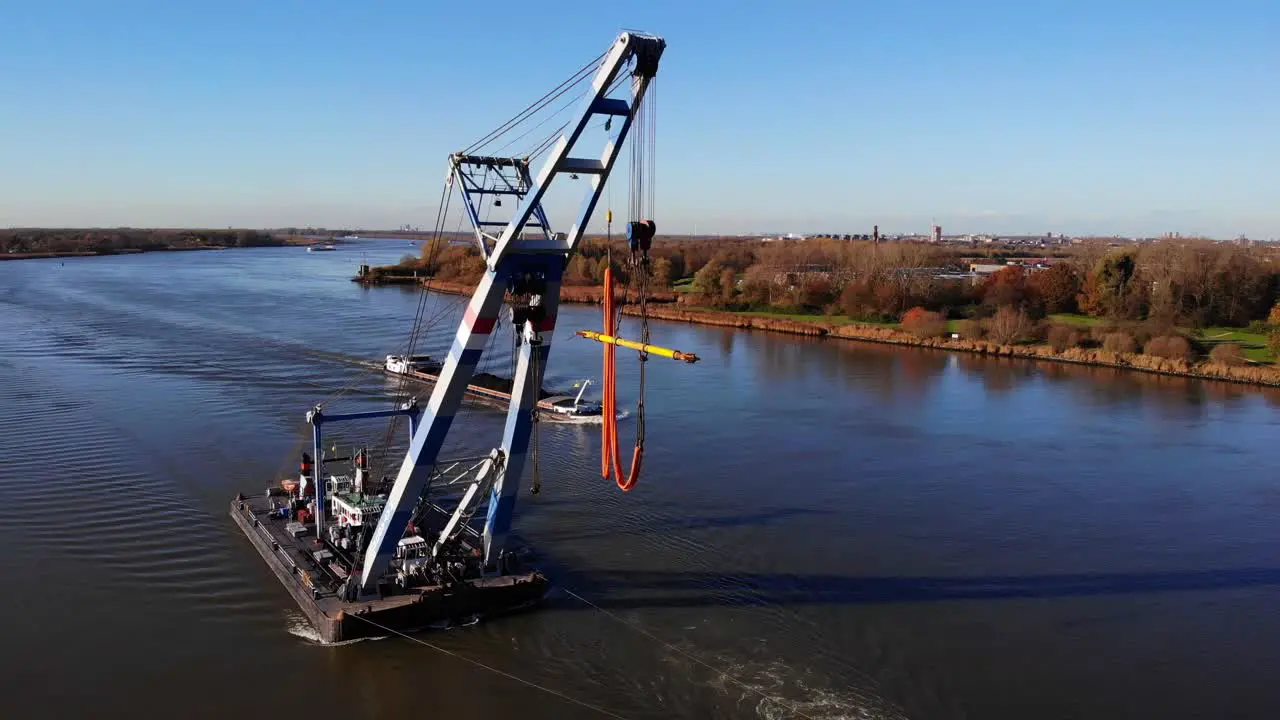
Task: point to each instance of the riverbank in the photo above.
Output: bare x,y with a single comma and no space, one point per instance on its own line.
1252,374
47,255
665,307
104,253
37,243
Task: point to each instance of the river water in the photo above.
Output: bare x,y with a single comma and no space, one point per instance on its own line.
824,529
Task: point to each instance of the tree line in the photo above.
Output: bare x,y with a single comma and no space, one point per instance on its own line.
1177,282
1187,282
105,241
670,260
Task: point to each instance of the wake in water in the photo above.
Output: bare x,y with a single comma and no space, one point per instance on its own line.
778,691
297,624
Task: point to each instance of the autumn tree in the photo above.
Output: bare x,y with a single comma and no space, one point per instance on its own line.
1228,354
1119,342
1107,291
706,282
660,277
757,286
902,268
858,300
1010,325
924,323
1006,287
1062,337
816,293
1241,288
1173,347
1055,288
678,267
728,284
581,271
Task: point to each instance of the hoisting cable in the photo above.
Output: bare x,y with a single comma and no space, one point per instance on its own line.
536,105
550,140
611,462
496,671
401,395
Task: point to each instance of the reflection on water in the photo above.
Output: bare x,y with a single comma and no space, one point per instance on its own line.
845,529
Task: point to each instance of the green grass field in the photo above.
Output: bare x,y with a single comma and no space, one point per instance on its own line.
1253,344
1075,319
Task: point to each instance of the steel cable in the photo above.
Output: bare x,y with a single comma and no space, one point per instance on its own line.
538,104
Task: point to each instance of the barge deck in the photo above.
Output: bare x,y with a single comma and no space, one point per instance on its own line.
314,573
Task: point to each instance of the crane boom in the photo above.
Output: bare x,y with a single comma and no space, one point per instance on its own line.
528,269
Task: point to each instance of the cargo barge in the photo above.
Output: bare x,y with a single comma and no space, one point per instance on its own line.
492,390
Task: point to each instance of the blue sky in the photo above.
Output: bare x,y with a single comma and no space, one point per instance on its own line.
1077,117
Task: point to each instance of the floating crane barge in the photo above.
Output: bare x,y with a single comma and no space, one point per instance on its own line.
433,543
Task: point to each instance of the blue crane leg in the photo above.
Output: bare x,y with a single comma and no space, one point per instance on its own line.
515,439
468,344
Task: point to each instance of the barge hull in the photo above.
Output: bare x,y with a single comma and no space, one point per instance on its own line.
336,620
329,628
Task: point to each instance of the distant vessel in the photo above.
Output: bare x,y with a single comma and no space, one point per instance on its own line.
489,388
404,364
572,406
328,247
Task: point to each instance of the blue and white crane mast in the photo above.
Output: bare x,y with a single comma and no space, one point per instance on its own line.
529,267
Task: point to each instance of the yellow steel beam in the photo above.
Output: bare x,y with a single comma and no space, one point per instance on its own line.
633,345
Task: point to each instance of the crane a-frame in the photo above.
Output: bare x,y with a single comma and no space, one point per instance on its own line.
526,267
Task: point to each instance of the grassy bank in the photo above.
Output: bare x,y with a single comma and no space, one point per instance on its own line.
1260,374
